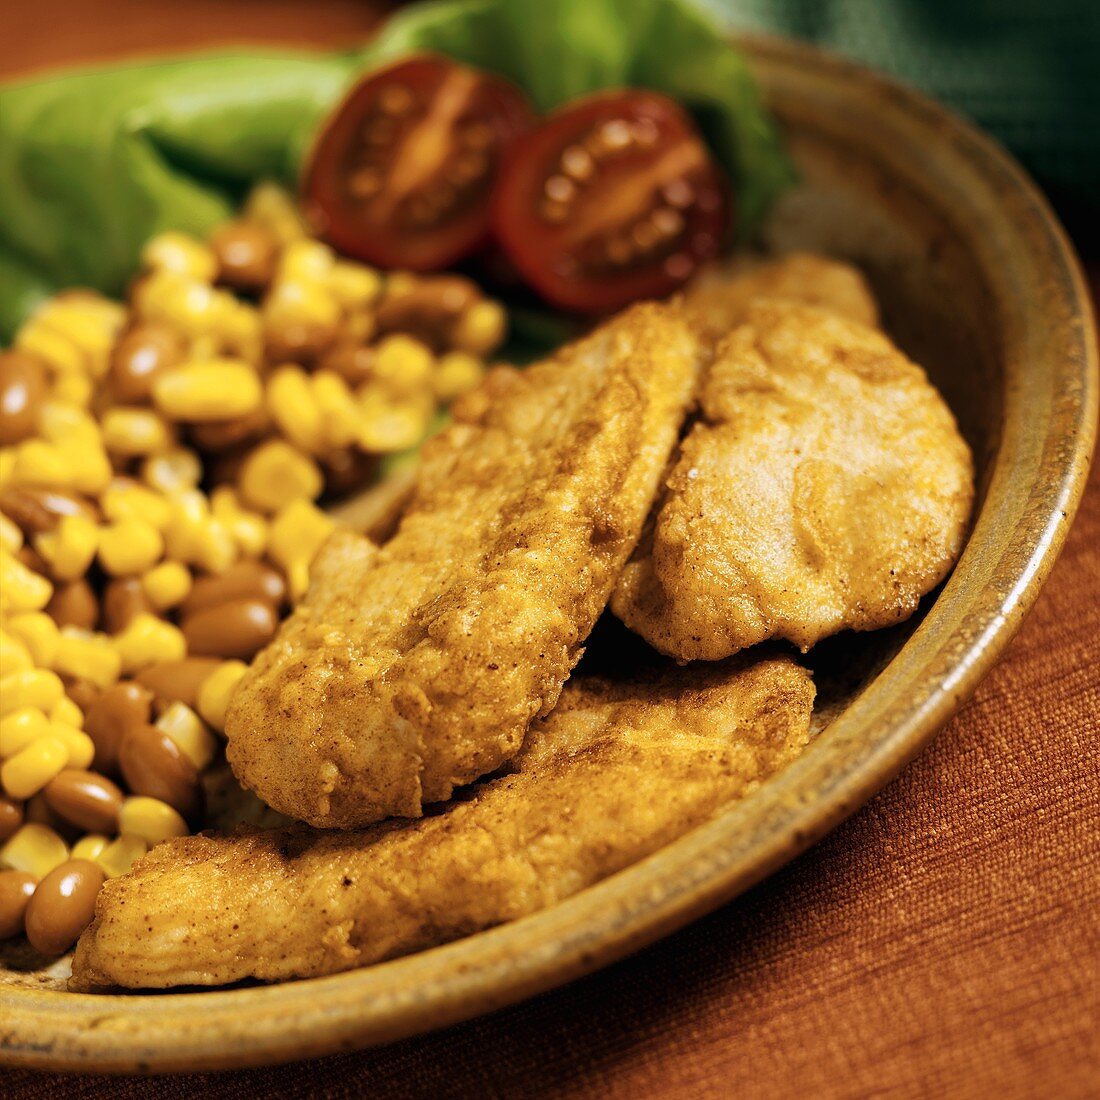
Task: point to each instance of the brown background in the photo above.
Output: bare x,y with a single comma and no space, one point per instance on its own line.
944,942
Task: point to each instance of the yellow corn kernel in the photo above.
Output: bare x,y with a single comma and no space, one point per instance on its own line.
389,426
276,472
84,328
216,691
167,585
402,363
79,747
45,343
273,208
11,537
38,632
74,389
147,640
19,728
61,422
129,546
150,819
70,548
296,535
89,847
132,432
87,656
212,389
33,766
40,463
14,655
197,537
35,850
127,499
300,302
90,468
187,304
190,734
240,330
354,286
306,260
248,528
121,854
179,253
7,466
294,409
67,713
480,330
338,407
358,326
21,588
456,373
33,687
172,471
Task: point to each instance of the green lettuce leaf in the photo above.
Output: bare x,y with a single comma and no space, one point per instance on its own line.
93,162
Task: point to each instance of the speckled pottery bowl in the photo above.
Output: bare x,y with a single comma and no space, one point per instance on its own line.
978,283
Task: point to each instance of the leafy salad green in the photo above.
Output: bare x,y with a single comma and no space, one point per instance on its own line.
94,162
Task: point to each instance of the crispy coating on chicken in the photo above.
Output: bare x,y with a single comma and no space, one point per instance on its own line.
614,773
825,486
719,300
416,667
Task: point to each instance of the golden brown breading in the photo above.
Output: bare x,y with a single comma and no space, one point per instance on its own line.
826,486
416,667
719,299
615,772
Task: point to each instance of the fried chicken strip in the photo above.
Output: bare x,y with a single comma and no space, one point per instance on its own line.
416,667
719,300
825,486
615,772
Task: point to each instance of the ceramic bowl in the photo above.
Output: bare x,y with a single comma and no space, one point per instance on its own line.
977,282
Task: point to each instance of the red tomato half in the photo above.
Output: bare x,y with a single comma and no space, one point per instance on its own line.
402,173
612,198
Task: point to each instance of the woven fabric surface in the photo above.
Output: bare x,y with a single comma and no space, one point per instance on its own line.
943,942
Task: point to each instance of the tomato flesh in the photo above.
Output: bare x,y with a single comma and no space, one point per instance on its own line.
402,173
611,199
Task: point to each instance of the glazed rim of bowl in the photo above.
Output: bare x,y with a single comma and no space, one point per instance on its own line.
1037,477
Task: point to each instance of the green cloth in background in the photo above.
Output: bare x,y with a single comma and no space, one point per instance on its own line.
1028,71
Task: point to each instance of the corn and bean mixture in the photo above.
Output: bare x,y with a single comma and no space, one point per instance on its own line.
161,464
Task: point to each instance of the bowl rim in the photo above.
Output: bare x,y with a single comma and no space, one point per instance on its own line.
968,626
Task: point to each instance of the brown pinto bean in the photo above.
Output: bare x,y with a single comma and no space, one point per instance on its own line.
140,355
74,604
124,598
152,764
11,816
63,906
172,681
82,692
114,713
16,889
248,579
247,254
354,362
22,391
429,309
37,510
85,798
222,435
239,628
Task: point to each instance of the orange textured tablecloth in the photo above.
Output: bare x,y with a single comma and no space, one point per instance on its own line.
943,942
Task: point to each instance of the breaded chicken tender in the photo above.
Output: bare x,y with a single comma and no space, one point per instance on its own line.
416,667
719,299
825,486
614,773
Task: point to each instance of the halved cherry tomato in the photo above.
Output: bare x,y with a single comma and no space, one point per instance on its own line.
401,174
612,198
